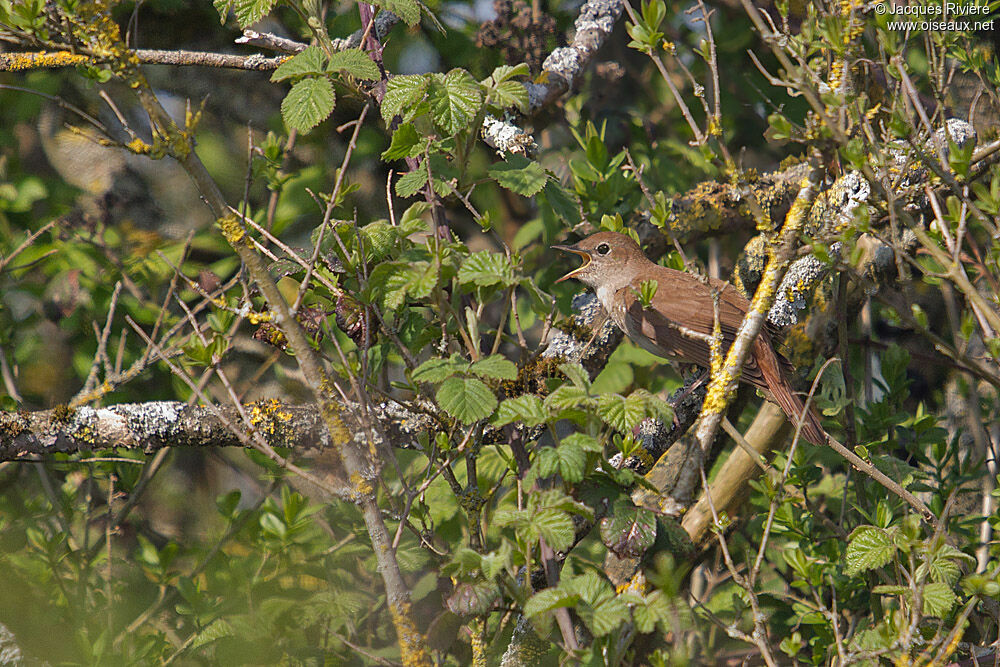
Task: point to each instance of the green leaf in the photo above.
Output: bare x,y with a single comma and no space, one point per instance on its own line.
217,629
554,526
402,93
939,599
308,103
602,610
507,72
527,409
510,94
621,413
566,396
378,239
306,63
408,10
566,460
583,441
520,175
653,609
563,204
423,277
629,530
869,548
355,62
387,285
473,598
466,399
495,366
412,221
221,6
404,140
410,183
548,599
576,374
455,99
486,268
250,11
437,369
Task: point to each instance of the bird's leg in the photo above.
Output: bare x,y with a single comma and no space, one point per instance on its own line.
597,328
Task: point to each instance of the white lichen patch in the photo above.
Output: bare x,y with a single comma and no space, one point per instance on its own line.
154,420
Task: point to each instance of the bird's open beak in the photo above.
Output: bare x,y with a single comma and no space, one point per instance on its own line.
576,251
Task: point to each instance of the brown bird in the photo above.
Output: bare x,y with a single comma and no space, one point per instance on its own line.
679,321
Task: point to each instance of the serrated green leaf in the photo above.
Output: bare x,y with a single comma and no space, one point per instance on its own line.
402,93
308,103
562,203
554,526
629,530
585,442
249,12
869,548
653,609
601,610
408,10
223,7
412,221
404,140
511,94
437,370
506,72
519,175
527,409
486,268
306,63
378,239
566,460
939,599
620,413
606,616
548,599
217,629
355,62
566,396
410,183
495,366
387,285
466,399
576,374
423,277
455,99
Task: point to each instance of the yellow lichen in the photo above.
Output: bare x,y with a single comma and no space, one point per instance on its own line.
362,487
232,228
479,643
139,147
16,62
259,318
411,642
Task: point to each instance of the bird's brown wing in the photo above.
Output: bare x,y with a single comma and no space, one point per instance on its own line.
682,318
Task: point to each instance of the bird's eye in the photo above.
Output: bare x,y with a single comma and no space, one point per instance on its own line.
603,249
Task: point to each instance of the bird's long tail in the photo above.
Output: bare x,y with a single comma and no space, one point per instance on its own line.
772,367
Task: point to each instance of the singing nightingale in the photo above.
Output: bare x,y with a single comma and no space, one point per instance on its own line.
679,320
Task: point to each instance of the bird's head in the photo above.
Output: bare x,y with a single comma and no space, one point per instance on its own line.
607,257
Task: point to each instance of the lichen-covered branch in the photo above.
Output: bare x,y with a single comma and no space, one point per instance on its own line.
560,71
723,383
149,427
594,24
17,62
